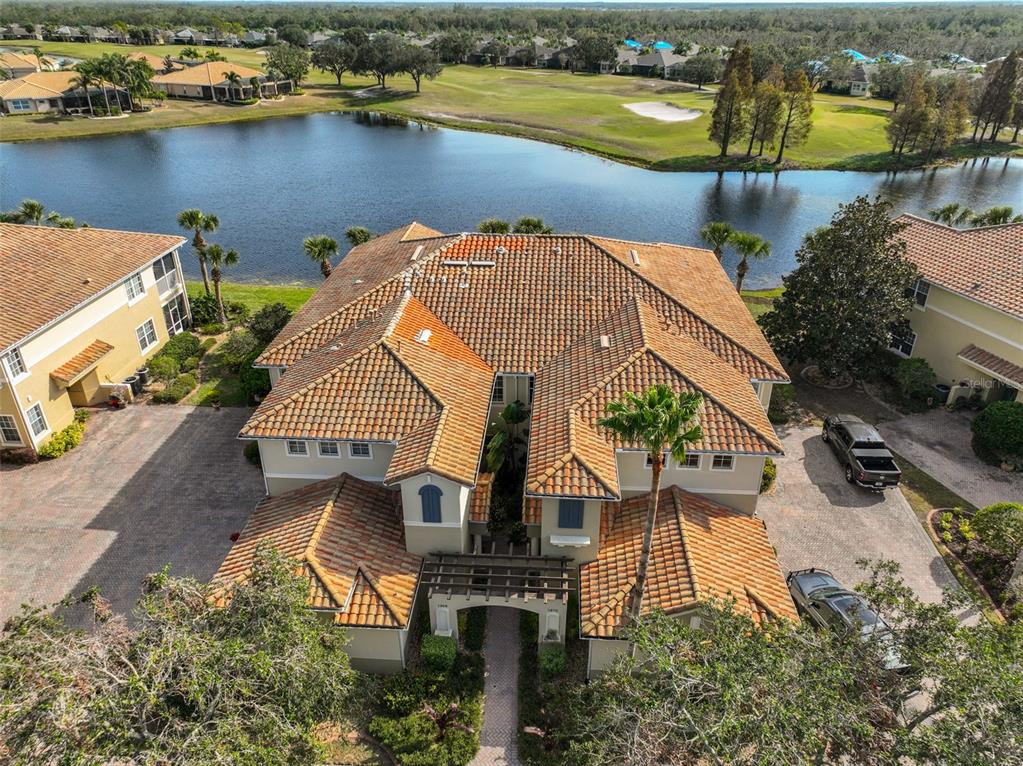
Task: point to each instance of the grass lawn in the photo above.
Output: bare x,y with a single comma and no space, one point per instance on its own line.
759,302
254,297
580,110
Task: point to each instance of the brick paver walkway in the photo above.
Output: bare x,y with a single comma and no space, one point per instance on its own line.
501,706
148,486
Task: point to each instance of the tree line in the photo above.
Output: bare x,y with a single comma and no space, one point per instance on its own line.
981,32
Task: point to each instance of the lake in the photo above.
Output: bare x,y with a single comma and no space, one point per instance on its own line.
274,182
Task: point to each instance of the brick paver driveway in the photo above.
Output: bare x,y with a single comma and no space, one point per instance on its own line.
938,442
149,486
815,518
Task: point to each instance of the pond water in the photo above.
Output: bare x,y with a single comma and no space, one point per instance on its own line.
274,182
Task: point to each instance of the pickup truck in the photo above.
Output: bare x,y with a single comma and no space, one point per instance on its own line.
861,450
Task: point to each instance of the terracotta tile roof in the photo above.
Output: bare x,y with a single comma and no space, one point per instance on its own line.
532,510
347,537
570,455
984,264
10,60
208,74
38,85
700,550
519,300
479,500
992,363
46,272
156,62
81,362
386,380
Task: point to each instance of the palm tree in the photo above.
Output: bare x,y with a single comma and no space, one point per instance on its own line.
661,421
257,91
358,235
235,83
749,245
995,216
84,80
190,53
217,259
199,222
320,249
717,234
952,214
493,226
31,211
504,441
527,225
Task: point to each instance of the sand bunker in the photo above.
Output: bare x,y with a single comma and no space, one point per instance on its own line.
663,111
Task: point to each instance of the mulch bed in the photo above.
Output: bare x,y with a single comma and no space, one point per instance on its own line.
991,569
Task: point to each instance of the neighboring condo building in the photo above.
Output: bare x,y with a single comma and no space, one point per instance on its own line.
968,306
384,386
82,310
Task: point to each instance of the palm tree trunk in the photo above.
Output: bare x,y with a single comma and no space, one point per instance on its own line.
106,98
648,536
325,268
740,274
88,99
221,314
205,273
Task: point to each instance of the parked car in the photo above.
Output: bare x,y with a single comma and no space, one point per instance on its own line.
826,604
862,452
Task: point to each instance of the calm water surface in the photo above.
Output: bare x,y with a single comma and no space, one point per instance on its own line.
277,181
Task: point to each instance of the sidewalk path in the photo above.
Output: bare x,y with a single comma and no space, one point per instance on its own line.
501,704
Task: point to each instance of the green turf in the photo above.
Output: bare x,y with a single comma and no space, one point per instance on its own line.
255,296
580,110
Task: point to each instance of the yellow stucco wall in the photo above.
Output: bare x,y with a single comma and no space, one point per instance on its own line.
285,472
949,322
451,535
736,488
108,316
591,530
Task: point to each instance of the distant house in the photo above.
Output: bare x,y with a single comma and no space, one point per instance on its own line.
659,62
321,36
967,320
103,35
254,39
189,36
15,64
535,54
52,92
18,32
856,85
159,65
71,34
207,81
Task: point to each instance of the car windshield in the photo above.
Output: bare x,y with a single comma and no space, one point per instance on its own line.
856,611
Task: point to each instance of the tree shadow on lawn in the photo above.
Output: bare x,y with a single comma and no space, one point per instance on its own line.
179,507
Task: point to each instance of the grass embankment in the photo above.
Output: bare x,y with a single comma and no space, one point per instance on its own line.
582,111
254,296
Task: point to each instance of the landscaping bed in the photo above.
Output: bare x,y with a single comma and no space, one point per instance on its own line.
955,527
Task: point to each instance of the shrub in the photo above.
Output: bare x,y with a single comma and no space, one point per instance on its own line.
438,652
768,476
181,346
164,368
176,391
475,628
915,381
190,364
64,440
1000,527
253,381
19,456
268,321
553,661
213,328
82,415
204,309
206,345
236,311
998,433
237,348
783,397
415,740
404,693
252,452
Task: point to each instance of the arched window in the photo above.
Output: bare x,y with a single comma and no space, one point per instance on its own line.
429,495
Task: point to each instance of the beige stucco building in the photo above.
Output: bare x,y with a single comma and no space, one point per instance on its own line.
967,320
396,371
82,310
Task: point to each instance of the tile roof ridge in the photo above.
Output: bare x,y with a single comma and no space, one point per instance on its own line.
309,554
680,519
88,229
760,601
699,317
647,244
575,422
955,229
362,569
593,390
556,465
259,418
395,351
403,302
771,441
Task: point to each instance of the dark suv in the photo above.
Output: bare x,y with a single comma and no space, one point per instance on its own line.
861,450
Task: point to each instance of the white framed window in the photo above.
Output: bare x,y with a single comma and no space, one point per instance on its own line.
902,344
918,292
329,449
723,463
20,105
360,450
36,419
497,396
9,430
532,388
691,462
15,364
296,447
649,463
134,287
146,334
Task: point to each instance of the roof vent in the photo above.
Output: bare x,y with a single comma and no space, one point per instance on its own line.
500,250
454,262
463,285
482,263
557,249
335,347
358,281
87,280
418,251
423,336
605,341
635,256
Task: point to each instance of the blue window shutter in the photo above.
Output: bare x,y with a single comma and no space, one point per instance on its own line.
430,497
570,514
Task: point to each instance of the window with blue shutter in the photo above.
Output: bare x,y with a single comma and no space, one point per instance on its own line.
570,514
430,498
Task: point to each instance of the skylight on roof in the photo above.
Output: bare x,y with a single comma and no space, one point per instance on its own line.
423,336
